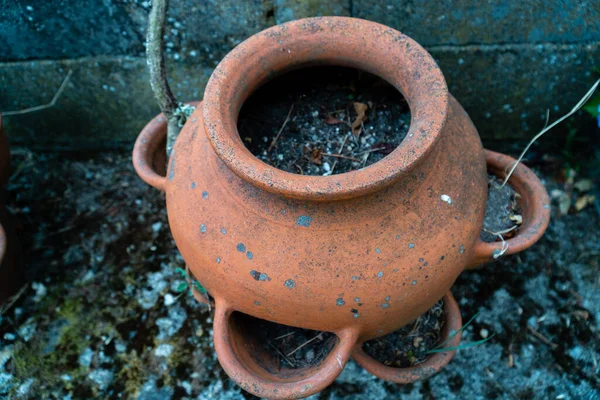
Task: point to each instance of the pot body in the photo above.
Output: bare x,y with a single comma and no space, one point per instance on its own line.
360,254
372,263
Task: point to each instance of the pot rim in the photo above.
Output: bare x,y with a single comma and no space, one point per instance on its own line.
340,41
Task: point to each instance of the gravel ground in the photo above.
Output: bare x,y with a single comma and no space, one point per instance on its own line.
106,313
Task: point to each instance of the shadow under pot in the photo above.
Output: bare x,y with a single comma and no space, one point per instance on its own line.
357,254
11,273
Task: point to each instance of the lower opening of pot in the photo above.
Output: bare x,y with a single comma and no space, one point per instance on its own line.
410,345
281,349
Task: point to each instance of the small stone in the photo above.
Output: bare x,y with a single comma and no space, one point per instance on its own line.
484,333
27,330
40,291
101,377
85,358
169,299
163,350
446,198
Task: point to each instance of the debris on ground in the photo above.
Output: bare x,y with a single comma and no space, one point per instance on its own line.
110,320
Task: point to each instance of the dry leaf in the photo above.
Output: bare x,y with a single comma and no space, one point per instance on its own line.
386,148
584,201
571,173
584,185
316,156
516,218
331,120
581,314
564,203
361,116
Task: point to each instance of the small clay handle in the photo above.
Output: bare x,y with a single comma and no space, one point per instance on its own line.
147,153
450,339
242,361
534,201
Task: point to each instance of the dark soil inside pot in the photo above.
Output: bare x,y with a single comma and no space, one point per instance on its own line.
411,344
502,212
291,347
324,121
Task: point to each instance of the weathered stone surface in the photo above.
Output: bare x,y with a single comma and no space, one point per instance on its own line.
493,21
506,90
288,10
489,53
105,104
196,30
204,31
66,29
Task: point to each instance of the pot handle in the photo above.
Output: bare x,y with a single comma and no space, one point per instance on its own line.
535,203
450,339
146,157
244,362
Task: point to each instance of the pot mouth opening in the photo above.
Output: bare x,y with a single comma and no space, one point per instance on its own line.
288,352
326,41
322,121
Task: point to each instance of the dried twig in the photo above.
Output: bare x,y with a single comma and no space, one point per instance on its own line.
339,151
580,104
341,156
284,335
542,337
176,113
282,355
500,233
370,151
304,344
6,306
497,383
43,106
287,119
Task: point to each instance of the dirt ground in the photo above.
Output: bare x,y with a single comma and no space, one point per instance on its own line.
106,314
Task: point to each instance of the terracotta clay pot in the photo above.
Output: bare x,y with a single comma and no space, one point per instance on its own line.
359,254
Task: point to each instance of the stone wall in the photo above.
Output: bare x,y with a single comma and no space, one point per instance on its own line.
505,61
